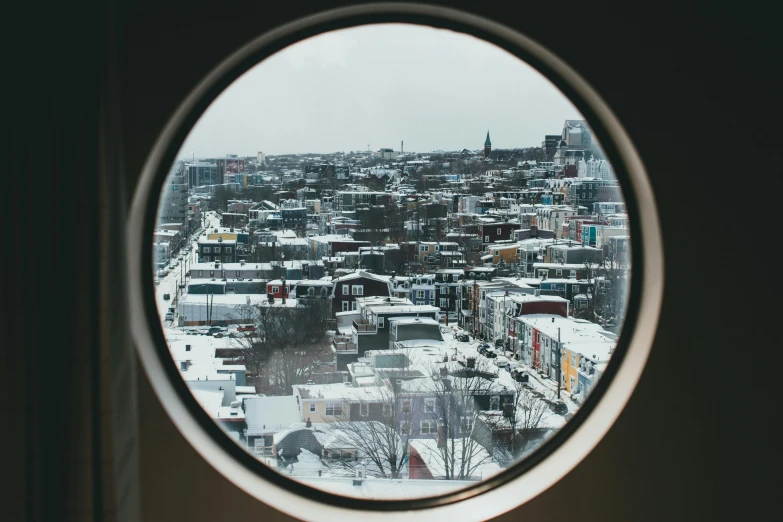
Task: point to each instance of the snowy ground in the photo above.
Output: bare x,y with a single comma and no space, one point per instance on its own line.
546,387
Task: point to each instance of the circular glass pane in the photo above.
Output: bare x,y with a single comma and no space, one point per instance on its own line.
391,261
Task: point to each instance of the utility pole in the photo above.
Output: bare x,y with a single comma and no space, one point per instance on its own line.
559,362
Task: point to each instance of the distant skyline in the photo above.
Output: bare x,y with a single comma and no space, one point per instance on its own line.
378,85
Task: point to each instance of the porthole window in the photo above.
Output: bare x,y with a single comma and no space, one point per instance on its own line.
307,404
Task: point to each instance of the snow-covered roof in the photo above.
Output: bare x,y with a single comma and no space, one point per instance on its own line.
266,415
478,461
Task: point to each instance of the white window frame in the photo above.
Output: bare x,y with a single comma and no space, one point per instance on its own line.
573,360
419,294
353,305
381,322
486,239
205,250
335,407
346,306
217,250
387,410
200,273
572,274
575,289
405,427
364,409
228,250
357,290
444,302
312,407
275,289
406,405
496,401
500,231
466,423
559,272
346,290
429,405
432,427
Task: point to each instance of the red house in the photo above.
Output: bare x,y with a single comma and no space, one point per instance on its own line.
275,288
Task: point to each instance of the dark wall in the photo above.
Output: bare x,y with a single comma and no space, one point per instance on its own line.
671,71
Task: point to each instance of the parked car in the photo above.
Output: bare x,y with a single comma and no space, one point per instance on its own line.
559,406
490,353
502,362
483,348
246,328
157,281
520,375
463,338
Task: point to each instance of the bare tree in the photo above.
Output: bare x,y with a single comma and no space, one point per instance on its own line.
377,423
517,430
459,397
285,345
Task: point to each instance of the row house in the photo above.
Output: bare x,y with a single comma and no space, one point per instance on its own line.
217,250
446,286
528,304
494,232
556,345
564,271
348,288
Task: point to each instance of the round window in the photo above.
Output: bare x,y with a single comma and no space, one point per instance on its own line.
339,156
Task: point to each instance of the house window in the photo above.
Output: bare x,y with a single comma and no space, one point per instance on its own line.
228,250
573,384
466,424
575,289
429,405
206,250
217,250
444,303
364,409
275,289
559,272
211,273
573,360
312,407
346,290
423,248
500,231
387,410
200,273
353,305
406,406
334,409
456,278
405,428
346,306
494,403
572,274
429,427
419,294
357,290
486,239
543,273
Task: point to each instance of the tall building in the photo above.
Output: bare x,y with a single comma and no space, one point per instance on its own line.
174,200
487,146
201,173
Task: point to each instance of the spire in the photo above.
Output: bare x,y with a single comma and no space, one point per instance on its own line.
487,143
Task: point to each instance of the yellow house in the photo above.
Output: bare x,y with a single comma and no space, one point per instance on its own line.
507,252
570,369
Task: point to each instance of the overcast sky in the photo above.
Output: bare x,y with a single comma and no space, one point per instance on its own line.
377,85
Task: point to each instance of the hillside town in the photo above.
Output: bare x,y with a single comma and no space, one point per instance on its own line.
386,323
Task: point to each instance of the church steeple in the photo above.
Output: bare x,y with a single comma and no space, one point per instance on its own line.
487,146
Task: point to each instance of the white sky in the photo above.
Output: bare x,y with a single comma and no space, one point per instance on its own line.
378,85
